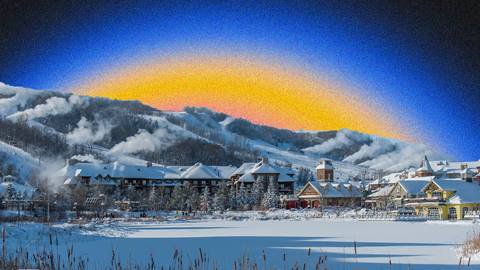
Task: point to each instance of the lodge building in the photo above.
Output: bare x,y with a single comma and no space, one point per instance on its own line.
324,191
265,172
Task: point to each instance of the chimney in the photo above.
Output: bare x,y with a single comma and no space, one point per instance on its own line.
265,160
71,161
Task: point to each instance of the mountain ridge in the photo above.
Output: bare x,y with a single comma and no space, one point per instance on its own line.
108,129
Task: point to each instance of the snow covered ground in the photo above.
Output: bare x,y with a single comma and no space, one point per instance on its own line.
420,245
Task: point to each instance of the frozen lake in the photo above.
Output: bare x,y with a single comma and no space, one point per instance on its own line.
419,245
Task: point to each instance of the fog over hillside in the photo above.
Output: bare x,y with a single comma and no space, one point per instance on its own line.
49,125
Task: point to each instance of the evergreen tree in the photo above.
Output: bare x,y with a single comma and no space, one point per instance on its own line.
232,198
10,192
117,194
256,193
194,199
220,199
205,201
132,193
242,198
270,199
304,175
154,199
176,201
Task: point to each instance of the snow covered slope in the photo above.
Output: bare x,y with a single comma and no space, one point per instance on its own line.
111,129
16,161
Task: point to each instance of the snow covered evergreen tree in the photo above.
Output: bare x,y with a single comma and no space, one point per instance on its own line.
176,201
154,199
256,193
192,199
304,175
220,199
132,193
242,198
205,201
232,198
270,198
10,192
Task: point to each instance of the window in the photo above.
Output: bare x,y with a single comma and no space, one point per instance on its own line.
433,212
452,213
204,182
437,194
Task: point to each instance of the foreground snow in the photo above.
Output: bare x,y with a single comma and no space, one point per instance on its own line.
425,245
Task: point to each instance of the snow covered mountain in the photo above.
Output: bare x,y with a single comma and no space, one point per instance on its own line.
49,125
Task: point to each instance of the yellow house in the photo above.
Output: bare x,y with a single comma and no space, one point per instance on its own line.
448,199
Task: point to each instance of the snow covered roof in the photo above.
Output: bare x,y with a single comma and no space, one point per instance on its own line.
102,173
283,177
465,192
454,166
200,171
382,192
70,181
334,190
117,170
415,186
264,167
248,177
244,168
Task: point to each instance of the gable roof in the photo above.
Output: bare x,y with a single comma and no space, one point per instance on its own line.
415,186
200,171
465,192
115,170
382,192
334,190
244,168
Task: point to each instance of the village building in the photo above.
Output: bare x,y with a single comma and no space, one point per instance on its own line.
408,190
107,177
448,199
324,192
379,200
264,171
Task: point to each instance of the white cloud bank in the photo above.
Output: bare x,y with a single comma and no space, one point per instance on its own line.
407,155
53,106
89,132
381,153
17,96
344,138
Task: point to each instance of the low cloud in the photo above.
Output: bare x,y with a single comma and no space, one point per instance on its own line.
379,146
89,132
145,141
15,97
407,155
53,106
344,138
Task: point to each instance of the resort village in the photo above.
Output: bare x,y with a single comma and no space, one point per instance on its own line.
434,190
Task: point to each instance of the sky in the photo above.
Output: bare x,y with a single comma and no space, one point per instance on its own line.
399,69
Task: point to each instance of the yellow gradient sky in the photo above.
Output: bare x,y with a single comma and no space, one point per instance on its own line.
264,92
